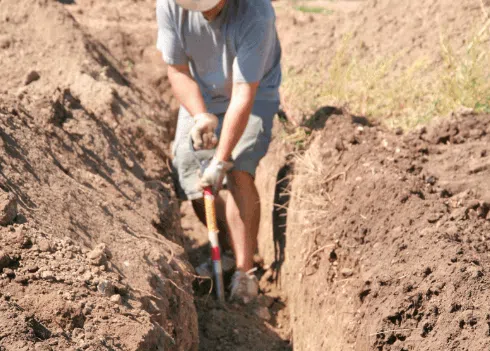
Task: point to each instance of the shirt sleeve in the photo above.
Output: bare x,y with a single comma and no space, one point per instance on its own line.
254,48
168,41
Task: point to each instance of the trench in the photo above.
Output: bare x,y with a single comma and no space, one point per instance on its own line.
263,324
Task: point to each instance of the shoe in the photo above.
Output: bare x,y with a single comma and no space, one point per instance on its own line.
205,269
244,286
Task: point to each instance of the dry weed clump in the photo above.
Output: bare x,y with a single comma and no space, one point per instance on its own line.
403,97
310,196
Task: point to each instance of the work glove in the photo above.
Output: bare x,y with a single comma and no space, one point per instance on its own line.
203,133
214,174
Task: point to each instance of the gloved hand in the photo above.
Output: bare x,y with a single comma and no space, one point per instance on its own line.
203,132
214,174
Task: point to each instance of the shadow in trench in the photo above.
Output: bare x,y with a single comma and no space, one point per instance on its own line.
320,117
279,215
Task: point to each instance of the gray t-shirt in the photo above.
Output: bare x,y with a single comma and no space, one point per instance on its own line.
240,45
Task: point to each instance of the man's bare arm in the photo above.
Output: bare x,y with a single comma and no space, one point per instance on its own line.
236,118
185,89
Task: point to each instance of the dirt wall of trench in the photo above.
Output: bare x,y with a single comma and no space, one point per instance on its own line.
387,237
90,244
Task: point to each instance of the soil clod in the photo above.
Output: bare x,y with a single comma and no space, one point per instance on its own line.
8,208
32,77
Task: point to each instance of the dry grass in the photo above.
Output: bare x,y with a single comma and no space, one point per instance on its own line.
310,197
403,97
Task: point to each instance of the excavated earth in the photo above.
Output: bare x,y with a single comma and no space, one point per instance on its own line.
387,238
370,239
89,244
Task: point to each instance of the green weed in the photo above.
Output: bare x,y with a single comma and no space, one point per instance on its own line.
313,9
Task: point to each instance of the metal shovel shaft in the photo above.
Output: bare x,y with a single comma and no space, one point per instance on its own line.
213,231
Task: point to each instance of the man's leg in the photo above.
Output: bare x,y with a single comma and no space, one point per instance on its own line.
238,217
243,217
242,202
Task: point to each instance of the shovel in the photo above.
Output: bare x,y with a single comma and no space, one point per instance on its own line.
213,231
203,157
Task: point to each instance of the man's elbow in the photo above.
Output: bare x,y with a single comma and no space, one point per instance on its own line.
245,92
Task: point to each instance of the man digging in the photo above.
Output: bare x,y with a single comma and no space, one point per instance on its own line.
223,61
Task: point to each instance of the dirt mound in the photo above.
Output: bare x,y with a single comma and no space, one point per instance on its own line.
129,31
387,238
83,152
91,306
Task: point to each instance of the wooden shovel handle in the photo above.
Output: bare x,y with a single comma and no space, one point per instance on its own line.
210,210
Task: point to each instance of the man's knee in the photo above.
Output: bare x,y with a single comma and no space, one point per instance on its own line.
241,182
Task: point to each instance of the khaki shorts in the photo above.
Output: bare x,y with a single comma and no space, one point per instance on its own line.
251,147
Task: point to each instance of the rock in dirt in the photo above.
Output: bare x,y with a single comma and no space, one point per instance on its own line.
106,287
431,180
23,241
404,197
8,208
459,213
21,279
87,277
445,193
9,272
347,272
473,205
32,77
48,275
44,245
98,256
5,42
117,299
263,313
339,145
483,210
4,260
32,268
265,300
433,218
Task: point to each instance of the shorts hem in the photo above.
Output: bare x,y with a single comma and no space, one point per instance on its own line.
245,169
194,196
